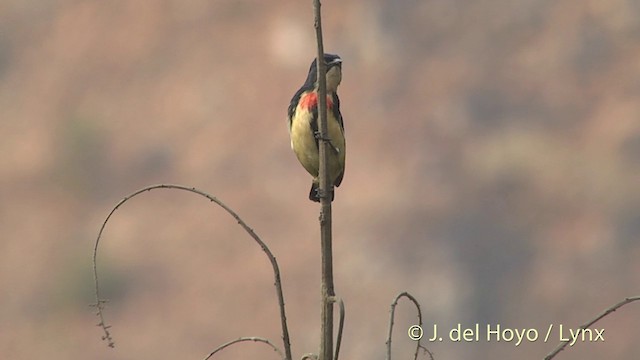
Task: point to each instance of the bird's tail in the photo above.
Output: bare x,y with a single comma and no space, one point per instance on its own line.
313,193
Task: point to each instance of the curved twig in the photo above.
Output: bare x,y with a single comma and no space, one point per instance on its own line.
608,311
391,319
340,328
243,339
99,304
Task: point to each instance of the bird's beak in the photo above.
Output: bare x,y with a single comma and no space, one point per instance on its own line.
337,61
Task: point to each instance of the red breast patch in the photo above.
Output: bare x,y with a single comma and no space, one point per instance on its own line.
309,100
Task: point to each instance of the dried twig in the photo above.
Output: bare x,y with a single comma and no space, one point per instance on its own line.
327,291
606,312
391,320
243,339
340,328
99,304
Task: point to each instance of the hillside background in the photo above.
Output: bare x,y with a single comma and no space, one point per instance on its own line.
493,171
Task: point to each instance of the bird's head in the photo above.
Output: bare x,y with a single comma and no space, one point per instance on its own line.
334,72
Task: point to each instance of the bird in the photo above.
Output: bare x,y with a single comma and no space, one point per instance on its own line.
304,130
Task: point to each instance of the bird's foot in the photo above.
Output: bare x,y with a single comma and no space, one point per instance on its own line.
319,136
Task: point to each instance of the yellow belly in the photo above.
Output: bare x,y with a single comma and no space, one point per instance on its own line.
304,145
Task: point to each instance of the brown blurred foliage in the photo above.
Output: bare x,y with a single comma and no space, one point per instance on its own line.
493,170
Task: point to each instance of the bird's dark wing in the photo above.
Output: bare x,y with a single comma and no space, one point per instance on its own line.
338,116
336,110
292,107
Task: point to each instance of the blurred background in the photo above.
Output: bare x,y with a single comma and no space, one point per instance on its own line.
493,171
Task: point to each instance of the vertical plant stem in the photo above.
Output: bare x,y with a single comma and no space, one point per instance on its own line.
326,341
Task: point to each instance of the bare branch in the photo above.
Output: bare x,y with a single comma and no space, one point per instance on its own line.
391,320
99,304
243,339
608,311
327,291
340,328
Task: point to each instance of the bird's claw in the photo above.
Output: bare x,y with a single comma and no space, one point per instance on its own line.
319,136
324,194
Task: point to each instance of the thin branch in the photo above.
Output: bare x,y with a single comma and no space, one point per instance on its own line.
327,291
324,186
99,304
340,328
608,311
243,339
391,321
